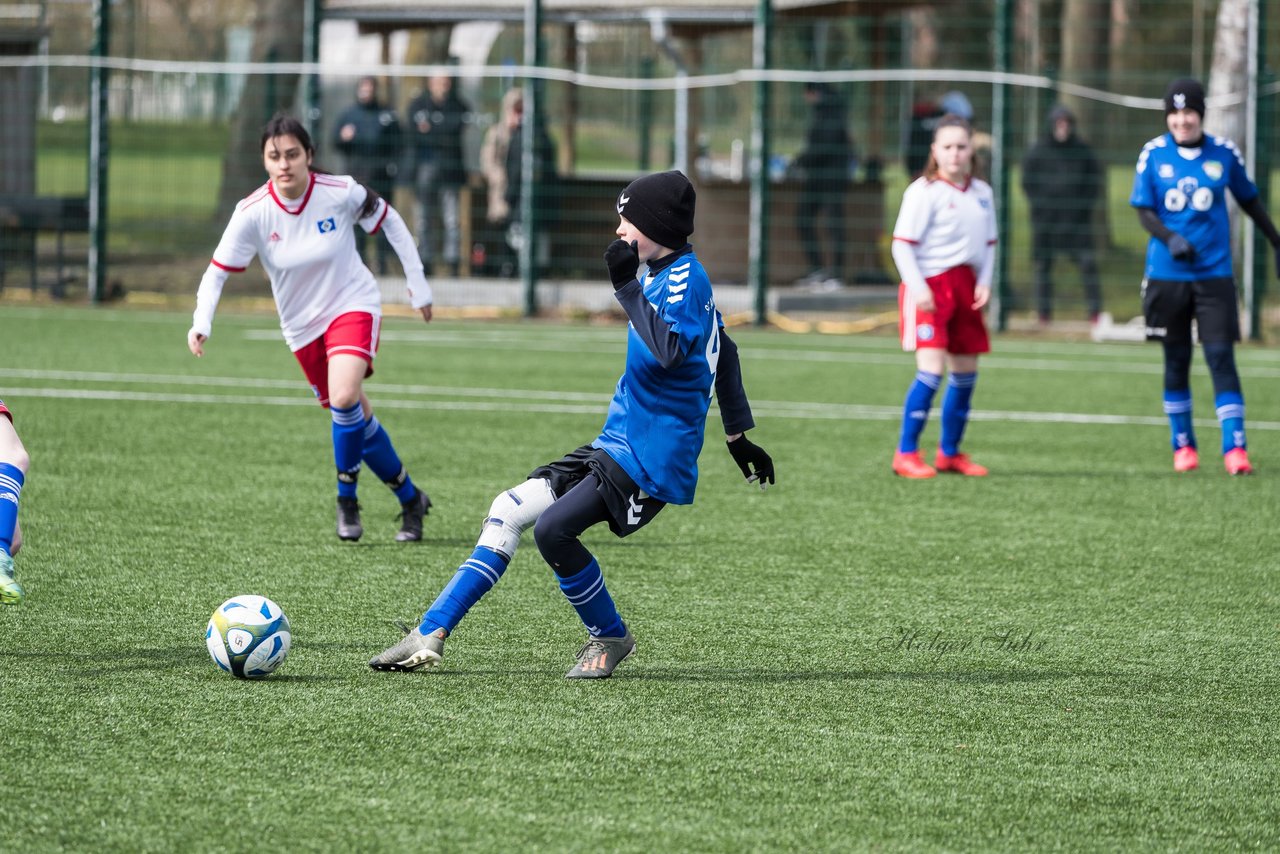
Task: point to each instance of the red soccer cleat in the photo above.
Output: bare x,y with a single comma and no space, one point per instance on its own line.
1237,461
959,464
910,465
1187,458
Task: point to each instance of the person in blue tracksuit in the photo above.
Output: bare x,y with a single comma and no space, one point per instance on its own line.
1180,192
646,455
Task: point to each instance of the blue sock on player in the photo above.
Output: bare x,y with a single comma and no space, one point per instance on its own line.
381,457
11,479
348,439
474,578
955,410
915,412
1230,406
1177,405
587,594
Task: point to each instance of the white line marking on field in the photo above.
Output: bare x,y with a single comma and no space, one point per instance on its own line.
1093,359
534,401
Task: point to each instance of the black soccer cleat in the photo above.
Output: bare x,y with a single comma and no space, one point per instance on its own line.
349,527
411,513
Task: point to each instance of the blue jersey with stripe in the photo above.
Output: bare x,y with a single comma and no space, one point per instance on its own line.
657,417
1187,188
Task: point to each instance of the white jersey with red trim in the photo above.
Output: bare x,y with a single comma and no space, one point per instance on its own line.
948,225
308,249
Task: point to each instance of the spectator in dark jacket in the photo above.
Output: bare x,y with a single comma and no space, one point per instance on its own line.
1063,181
437,119
368,135
823,168
544,158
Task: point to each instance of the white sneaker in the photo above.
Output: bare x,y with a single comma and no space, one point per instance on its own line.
415,651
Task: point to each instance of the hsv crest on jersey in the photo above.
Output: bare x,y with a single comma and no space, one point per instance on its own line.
326,225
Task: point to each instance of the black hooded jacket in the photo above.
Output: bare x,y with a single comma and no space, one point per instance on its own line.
1062,181
824,159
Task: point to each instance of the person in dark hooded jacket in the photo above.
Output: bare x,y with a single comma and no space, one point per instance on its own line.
1063,181
823,168
369,137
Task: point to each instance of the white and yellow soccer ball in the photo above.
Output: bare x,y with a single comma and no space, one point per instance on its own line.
248,636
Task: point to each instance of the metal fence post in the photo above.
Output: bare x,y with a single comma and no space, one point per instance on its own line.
529,133
98,151
758,242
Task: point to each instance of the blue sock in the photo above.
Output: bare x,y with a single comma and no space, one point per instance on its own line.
1177,405
348,438
955,410
474,578
383,461
11,479
1230,405
587,594
915,412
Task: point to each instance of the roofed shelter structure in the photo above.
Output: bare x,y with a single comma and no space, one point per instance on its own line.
676,30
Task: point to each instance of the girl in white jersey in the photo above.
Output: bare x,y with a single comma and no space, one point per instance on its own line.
300,225
943,245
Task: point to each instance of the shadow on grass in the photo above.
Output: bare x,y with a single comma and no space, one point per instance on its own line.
463,545
764,676
768,676
147,659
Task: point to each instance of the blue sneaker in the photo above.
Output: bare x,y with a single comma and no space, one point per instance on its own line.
10,589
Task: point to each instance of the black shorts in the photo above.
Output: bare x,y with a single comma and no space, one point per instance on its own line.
630,508
1168,308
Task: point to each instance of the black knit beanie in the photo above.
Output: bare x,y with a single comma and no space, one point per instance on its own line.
661,206
1184,94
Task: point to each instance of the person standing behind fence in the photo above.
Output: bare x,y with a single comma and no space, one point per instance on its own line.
1180,193
493,167
544,163
368,135
299,225
14,465
1063,182
944,247
823,166
437,118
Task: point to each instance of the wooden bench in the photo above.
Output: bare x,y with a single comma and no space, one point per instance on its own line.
23,216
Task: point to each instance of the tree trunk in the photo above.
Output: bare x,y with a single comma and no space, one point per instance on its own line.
1084,55
277,37
1229,71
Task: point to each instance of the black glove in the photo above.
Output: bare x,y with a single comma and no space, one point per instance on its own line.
623,260
748,455
1181,249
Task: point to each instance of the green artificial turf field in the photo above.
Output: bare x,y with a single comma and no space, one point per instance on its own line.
1078,652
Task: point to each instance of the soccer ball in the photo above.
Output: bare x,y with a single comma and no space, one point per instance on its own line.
248,636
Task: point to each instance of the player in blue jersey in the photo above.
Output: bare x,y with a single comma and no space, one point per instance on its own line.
1180,192
14,463
645,457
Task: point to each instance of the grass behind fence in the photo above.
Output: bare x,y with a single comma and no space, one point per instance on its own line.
1076,652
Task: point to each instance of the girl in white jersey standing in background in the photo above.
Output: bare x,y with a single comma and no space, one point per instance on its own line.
301,225
944,247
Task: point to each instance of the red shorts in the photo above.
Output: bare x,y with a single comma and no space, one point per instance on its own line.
954,324
4,410
355,333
